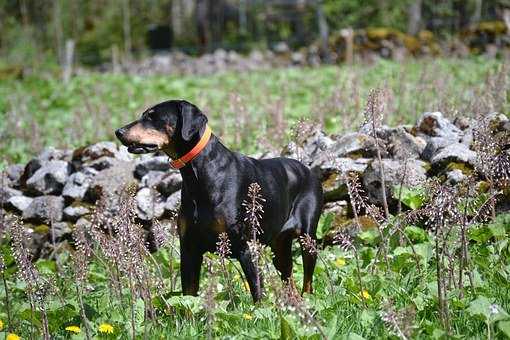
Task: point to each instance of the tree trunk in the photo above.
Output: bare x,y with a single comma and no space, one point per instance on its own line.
202,25
477,13
67,67
414,23
126,26
177,18
59,34
243,18
323,31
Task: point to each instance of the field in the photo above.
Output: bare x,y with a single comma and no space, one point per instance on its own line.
383,284
42,111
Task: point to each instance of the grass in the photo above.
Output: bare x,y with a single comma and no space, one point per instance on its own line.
359,293
41,111
403,293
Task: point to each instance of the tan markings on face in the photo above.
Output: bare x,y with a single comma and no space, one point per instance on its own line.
169,148
139,134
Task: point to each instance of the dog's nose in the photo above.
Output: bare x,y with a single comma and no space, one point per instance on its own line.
120,133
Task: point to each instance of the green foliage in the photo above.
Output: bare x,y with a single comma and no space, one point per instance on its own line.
41,110
412,197
349,313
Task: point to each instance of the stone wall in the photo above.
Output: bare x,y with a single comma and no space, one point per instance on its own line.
59,188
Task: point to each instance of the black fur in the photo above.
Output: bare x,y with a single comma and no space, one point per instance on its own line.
215,184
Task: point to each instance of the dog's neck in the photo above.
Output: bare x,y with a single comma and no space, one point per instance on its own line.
201,174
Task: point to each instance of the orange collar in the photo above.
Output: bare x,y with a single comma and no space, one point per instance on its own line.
181,162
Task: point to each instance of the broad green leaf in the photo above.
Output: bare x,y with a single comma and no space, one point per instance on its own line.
412,197
497,230
332,327
354,336
287,333
46,266
369,237
482,306
480,234
416,234
325,223
438,334
504,326
367,318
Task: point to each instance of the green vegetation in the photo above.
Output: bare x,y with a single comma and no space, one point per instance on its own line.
42,111
358,293
411,275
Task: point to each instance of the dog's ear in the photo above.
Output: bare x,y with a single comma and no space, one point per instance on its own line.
192,120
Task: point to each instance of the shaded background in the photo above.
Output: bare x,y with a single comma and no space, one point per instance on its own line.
35,32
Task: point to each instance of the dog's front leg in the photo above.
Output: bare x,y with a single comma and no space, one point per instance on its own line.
250,271
191,262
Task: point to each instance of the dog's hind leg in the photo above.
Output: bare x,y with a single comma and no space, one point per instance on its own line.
307,212
309,260
282,249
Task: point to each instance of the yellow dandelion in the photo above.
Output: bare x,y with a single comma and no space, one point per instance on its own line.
12,336
106,328
247,316
365,295
340,262
1,325
73,329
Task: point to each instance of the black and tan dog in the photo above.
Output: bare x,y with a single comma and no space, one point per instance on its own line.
215,183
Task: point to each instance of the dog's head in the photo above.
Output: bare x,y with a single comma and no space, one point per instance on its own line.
164,126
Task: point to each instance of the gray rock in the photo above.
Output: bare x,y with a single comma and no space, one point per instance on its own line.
355,144
101,163
148,205
173,202
82,222
457,152
44,209
151,179
281,47
111,182
462,123
78,184
73,212
467,137
433,124
32,166
98,150
60,230
310,148
409,173
401,144
434,146
50,178
332,175
6,193
14,173
158,163
506,126
123,154
169,183
18,204
52,154
455,176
